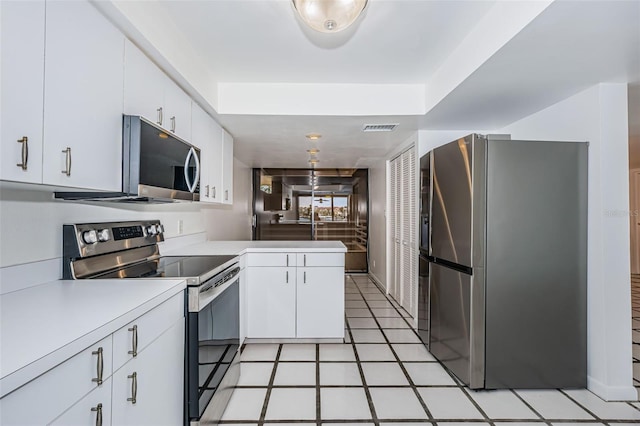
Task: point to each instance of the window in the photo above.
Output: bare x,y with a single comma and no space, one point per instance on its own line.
327,208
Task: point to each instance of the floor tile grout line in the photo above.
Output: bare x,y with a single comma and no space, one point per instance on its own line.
267,396
318,397
372,408
404,370
525,402
581,406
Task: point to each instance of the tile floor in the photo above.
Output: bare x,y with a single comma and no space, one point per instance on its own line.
635,326
383,375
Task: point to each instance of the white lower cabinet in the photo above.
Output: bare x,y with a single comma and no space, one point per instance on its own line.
93,409
149,389
70,393
271,297
320,302
295,301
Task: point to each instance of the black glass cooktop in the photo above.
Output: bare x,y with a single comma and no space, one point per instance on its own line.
171,267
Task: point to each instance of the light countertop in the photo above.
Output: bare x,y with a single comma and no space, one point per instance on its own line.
44,325
241,247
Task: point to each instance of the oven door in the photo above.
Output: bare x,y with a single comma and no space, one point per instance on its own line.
212,359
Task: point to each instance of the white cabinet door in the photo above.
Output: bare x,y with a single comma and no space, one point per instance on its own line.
93,409
83,98
143,86
158,384
22,59
177,109
206,134
271,302
48,396
227,167
320,302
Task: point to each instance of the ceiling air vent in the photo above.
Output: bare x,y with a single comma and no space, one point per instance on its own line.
379,127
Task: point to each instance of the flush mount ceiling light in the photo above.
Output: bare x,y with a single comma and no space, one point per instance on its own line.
313,151
329,16
314,161
313,136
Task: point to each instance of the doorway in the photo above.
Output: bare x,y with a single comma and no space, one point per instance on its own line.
314,204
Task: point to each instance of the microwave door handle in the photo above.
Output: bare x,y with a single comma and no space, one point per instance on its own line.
191,186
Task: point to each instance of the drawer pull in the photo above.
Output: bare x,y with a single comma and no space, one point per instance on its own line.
159,116
304,260
67,169
98,410
214,192
173,124
207,191
134,341
25,152
99,366
287,260
134,387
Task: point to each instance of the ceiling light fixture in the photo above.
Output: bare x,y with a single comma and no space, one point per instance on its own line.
329,16
314,161
313,151
313,136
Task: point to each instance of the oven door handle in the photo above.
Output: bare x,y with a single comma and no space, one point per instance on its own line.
198,300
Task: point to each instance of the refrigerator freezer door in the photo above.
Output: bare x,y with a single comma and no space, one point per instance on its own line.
452,202
450,304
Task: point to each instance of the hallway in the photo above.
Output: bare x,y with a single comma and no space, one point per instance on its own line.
383,375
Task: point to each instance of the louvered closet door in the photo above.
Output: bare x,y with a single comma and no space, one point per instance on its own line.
403,222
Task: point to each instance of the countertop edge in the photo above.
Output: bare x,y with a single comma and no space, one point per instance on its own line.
24,375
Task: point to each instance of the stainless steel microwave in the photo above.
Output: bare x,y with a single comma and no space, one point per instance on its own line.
157,167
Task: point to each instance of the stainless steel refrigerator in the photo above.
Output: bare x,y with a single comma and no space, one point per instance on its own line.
508,260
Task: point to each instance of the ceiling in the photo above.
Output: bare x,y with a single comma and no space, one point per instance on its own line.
424,64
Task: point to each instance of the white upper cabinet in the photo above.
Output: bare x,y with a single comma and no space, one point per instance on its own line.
83,98
227,167
207,135
148,92
22,59
143,86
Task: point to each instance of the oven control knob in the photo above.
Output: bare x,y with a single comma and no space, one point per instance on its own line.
152,230
104,235
159,228
90,237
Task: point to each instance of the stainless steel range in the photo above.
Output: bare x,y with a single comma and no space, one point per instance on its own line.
130,250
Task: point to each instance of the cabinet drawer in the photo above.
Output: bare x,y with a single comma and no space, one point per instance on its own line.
320,259
86,411
45,398
147,327
271,259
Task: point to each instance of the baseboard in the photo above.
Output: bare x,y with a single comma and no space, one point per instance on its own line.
377,282
612,393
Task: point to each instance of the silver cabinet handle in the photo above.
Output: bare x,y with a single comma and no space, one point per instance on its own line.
226,195
173,124
134,387
214,192
304,275
287,277
207,190
304,260
287,260
98,410
67,170
99,366
160,117
134,341
25,152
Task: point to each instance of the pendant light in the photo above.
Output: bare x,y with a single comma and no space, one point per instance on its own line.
329,16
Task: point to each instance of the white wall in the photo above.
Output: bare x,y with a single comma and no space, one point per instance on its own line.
377,221
599,115
232,222
31,221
